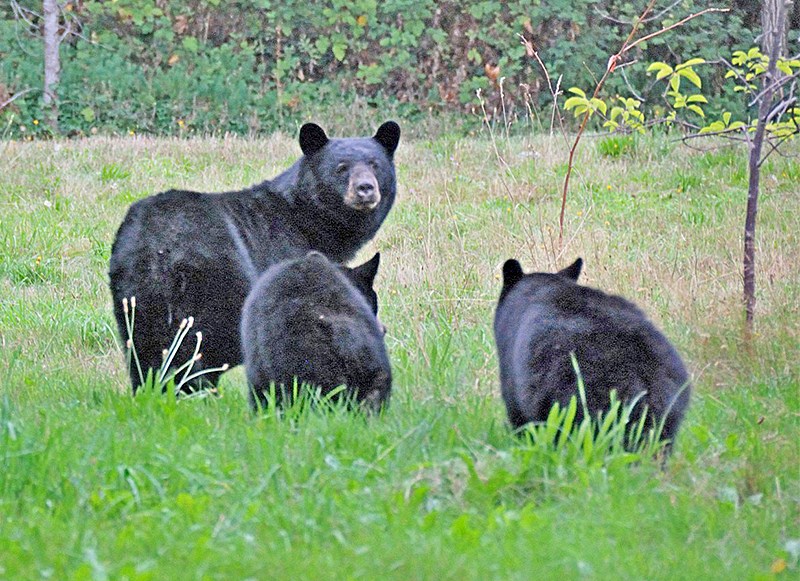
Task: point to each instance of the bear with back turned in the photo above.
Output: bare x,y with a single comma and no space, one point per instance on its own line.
185,254
541,318
315,322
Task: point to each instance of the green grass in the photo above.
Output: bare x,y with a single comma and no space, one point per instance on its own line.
97,485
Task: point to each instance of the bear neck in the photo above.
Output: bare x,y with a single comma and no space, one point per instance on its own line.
337,234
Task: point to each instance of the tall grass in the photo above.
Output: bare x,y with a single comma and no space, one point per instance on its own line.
96,484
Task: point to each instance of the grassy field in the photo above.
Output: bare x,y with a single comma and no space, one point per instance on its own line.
96,485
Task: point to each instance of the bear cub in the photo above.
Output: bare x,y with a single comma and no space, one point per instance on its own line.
185,254
541,318
315,321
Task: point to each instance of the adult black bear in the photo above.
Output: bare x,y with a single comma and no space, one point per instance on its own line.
541,318
315,321
187,254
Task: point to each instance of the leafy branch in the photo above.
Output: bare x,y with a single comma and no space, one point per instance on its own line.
590,105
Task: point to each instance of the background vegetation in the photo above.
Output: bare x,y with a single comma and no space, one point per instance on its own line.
253,66
96,485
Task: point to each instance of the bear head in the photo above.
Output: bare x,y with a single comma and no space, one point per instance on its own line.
513,274
347,177
362,277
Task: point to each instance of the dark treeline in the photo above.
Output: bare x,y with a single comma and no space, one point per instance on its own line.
253,66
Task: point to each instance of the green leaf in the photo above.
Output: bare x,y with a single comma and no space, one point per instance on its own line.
664,70
690,63
675,82
691,76
574,102
599,105
697,110
577,91
190,43
88,114
322,44
696,99
339,50
581,109
726,118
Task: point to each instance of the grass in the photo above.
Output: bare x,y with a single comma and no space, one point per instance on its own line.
97,485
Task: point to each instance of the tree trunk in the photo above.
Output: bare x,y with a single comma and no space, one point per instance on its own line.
773,21
52,65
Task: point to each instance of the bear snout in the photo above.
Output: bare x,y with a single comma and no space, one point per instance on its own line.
363,192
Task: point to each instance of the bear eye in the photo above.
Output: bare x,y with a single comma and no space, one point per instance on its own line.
341,168
373,163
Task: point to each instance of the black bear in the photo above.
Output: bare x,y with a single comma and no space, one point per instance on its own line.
315,321
541,318
187,254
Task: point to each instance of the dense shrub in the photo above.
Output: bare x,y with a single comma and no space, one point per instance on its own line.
164,66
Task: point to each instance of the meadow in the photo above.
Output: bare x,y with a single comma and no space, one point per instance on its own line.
95,484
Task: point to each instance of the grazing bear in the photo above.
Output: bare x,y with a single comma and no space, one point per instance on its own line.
541,318
315,321
187,254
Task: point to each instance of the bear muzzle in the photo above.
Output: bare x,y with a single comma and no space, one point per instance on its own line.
363,192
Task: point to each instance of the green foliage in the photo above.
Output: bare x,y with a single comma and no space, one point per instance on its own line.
253,66
581,104
616,145
748,70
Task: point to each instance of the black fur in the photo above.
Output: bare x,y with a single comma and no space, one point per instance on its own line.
542,317
187,254
315,321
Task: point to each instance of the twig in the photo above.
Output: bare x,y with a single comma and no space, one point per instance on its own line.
773,147
671,26
21,13
613,62
628,23
630,87
726,133
4,104
773,86
554,92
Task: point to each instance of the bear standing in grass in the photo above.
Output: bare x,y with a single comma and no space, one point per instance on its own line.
185,254
541,318
315,321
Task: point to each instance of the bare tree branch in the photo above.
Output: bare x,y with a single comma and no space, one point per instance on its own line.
612,62
8,102
774,85
629,23
671,26
554,92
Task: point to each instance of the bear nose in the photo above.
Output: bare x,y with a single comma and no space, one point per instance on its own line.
365,190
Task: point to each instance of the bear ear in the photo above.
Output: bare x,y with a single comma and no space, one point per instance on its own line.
388,135
367,271
512,273
312,138
573,271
